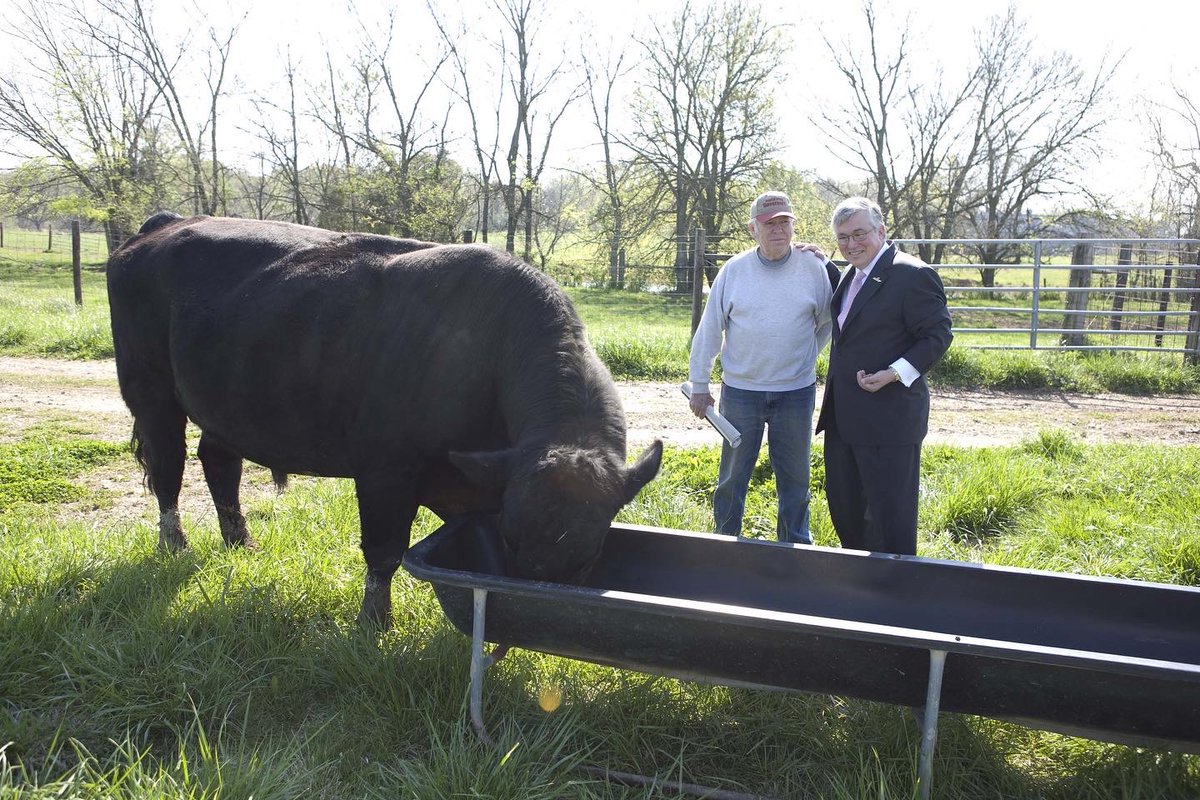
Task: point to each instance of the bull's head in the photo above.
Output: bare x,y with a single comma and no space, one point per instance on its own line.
557,504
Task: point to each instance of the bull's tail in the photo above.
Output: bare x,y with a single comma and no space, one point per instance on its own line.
138,447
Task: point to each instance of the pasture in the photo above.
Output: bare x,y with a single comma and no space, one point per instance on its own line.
130,674
126,673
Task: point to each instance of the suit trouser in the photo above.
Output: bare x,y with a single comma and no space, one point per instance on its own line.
872,494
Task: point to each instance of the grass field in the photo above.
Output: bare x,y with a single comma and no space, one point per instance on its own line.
126,674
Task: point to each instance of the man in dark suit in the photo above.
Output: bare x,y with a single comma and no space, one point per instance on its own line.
890,327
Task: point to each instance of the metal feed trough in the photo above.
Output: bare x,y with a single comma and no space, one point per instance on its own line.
1114,660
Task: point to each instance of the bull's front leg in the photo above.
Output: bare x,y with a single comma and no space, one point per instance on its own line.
386,512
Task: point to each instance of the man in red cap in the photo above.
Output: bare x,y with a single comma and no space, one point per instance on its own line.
768,317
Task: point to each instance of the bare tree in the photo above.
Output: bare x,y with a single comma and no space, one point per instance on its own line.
257,193
964,156
1176,146
704,120
283,147
85,108
1039,115
485,151
168,67
860,127
622,213
394,152
915,141
532,126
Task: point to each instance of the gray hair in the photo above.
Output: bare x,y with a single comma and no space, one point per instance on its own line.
851,206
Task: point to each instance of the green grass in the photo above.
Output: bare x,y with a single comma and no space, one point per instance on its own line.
42,467
126,673
38,315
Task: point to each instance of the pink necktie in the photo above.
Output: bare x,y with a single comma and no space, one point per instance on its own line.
851,293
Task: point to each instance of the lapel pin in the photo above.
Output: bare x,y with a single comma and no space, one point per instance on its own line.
876,279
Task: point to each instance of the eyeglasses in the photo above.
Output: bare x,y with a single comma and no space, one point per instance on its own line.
857,236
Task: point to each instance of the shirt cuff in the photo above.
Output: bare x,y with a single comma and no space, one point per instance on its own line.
908,373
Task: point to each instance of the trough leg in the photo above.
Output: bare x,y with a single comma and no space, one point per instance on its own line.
933,701
479,664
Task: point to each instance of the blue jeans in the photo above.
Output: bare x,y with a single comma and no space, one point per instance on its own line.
788,417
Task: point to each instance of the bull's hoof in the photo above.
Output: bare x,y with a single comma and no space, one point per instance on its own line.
243,540
375,616
171,538
172,543
372,623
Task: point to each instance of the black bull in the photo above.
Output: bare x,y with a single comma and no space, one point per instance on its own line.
449,376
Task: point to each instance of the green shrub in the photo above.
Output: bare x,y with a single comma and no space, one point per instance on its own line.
1054,445
984,495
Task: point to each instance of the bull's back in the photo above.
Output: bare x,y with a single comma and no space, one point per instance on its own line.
308,350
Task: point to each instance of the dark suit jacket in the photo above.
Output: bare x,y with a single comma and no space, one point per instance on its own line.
900,312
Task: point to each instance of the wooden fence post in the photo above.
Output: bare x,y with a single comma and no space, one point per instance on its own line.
1124,258
1081,256
50,239
76,268
1,234
697,278
1164,302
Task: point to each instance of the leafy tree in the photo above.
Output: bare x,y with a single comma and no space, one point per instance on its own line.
84,108
28,191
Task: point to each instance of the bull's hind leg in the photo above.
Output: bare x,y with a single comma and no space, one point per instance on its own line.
223,474
158,441
386,513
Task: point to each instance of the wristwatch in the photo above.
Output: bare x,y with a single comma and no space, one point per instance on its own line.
895,372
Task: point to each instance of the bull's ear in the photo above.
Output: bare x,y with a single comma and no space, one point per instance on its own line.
643,470
489,470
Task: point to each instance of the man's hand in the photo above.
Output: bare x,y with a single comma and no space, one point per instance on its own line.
874,381
809,247
699,402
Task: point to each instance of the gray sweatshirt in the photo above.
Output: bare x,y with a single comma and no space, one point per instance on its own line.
768,320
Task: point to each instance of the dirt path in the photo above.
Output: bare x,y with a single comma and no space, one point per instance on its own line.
964,417
33,389
84,395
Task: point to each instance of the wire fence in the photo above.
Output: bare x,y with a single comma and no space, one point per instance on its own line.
1073,294
55,240
1014,294
1017,294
